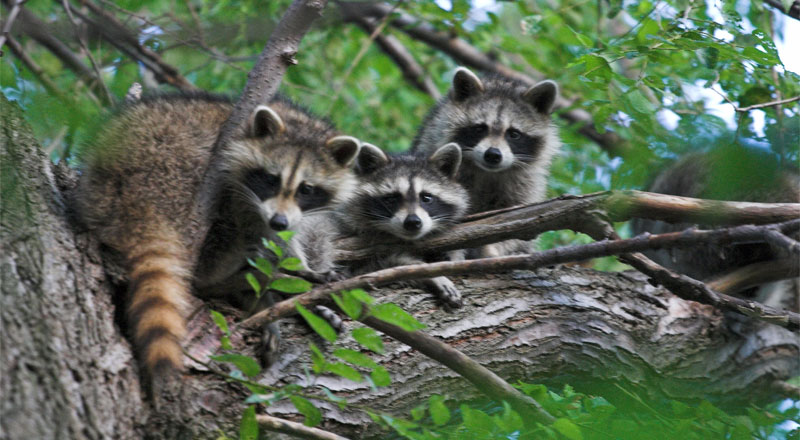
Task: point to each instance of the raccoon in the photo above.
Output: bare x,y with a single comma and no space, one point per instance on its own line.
407,197
142,177
727,174
507,138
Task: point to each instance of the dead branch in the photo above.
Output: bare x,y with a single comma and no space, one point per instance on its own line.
782,244
37,71
30,25
767,104
685,287
754,274
464,53
397,52
295,429
9,22
575,212
116,33
81,41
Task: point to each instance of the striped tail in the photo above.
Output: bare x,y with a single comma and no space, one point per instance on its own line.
159,288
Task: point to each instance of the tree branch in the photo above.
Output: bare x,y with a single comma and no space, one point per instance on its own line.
573,212
295,429
466,54
37,71
12,15
397,52
550,257
79,36
794,8
753,275
781,243
767,104
482,378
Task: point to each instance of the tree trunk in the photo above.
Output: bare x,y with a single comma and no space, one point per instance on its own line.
67,371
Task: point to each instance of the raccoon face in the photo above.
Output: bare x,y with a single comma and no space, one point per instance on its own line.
408,196
281,176
499,125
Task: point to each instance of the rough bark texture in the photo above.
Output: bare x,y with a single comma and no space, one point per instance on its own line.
66,370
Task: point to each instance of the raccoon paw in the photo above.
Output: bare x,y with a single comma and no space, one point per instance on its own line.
320,277
270,344
332,317
447,292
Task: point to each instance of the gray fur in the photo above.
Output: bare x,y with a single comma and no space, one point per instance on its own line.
501,104
411,177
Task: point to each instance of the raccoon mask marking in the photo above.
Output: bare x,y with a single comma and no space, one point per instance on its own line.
281,174
408,196
495,126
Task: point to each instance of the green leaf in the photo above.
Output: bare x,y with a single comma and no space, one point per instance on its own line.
269,244
292,263
246,364
369,338
344,370
439,412
475,420
286,235
393,314
291,285
638,103
509,421
567,429
380,376
318,324
317,358
220,321
355,357
262,264
349,304
361,295
248,429
307,409
253,282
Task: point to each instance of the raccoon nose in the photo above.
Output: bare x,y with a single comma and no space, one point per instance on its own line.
412,223
278,222
493,156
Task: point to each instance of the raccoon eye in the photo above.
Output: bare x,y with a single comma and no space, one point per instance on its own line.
513,133
479,129
306,189
425,197
263,184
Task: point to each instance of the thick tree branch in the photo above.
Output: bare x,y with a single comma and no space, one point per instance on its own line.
550,257
466,54
782,244
573,212
486,381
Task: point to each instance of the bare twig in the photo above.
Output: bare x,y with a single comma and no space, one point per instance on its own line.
363,50
116,33
295,429
482,378
767,104
755,274
9,22
79,36
394,49
37,71
466,54
562,255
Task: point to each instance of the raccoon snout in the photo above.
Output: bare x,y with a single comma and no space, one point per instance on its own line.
493,156
278,222
412,223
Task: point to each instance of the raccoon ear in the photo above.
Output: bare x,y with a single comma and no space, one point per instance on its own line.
447,159
344,149
466,84
265,122
370,159
542,96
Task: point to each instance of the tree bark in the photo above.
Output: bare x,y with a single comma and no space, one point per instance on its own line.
66,370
